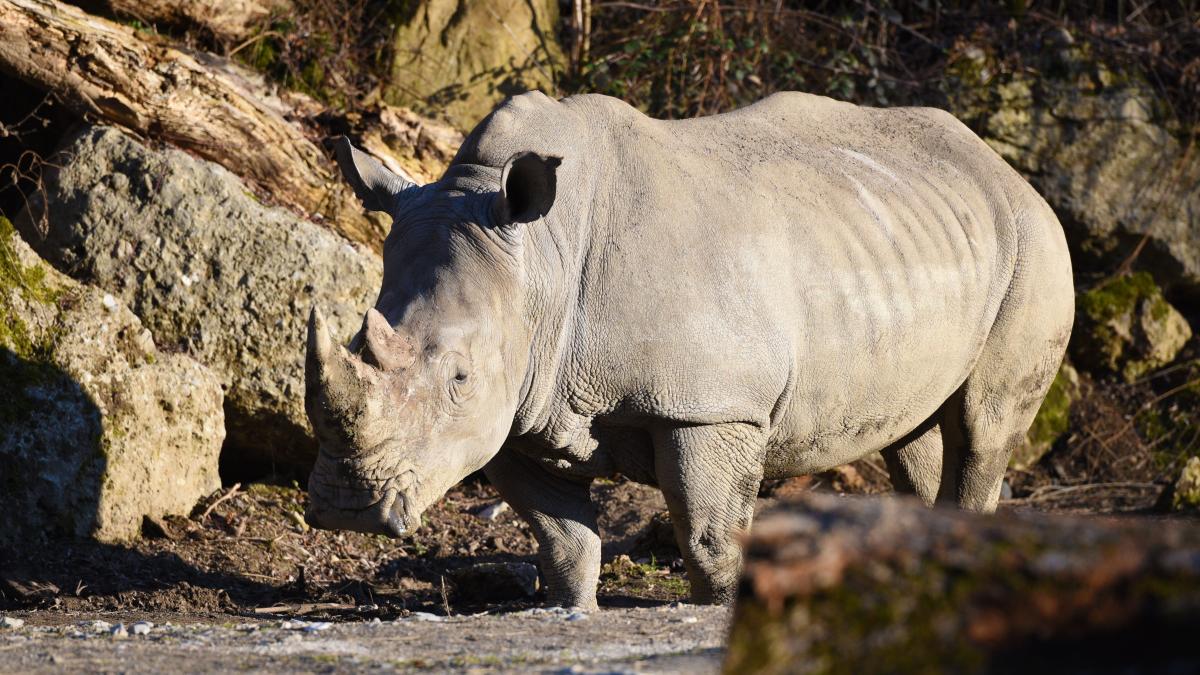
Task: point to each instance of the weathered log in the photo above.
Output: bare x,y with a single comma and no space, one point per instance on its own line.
105,70
859,585
224,19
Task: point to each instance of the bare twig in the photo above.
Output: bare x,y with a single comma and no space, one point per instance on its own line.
233,489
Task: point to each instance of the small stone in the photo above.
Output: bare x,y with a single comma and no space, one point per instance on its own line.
317,626
142,628
688,619
119,631
109,302
96,626
492,511
424,616
11,622
577,616
293,624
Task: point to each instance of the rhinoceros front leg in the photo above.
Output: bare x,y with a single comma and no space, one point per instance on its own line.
710,476
563,519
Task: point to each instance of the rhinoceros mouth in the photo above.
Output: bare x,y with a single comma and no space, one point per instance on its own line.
387,515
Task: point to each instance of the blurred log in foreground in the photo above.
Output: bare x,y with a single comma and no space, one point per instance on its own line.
102,69
836,585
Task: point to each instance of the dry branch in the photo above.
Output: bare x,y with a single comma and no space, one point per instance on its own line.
887,585
105,70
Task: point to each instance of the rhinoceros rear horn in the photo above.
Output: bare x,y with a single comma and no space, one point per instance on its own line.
374,184
384,347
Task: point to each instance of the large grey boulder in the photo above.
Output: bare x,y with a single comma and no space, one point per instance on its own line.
98,428
1102,147
211,271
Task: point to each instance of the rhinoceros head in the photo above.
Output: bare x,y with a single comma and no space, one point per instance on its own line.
427,390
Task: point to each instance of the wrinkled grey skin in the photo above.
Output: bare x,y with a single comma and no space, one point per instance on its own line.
697,305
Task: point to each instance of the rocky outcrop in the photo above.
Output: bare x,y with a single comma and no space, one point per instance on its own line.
457,59
1102,149
98,428
1125,326
212,273
861,585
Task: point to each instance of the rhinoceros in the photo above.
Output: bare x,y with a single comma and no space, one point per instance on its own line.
697,305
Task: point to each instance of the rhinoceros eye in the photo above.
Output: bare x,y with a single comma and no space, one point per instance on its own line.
460,382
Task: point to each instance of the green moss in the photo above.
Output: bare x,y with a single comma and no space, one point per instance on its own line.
1117,296
29,363
1109,317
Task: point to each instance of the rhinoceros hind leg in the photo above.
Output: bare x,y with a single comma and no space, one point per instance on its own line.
915,463
563,518
709,476
987,419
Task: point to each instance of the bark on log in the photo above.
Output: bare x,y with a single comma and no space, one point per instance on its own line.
887,586
225,19
106,70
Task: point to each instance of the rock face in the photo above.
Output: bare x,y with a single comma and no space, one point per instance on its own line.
1125,326
210,271
861,585
97,427
457,59
1099,146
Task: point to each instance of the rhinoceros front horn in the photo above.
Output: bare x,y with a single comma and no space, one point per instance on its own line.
328,373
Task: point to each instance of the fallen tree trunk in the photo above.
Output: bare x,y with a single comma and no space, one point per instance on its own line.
105,70
224,19
886,585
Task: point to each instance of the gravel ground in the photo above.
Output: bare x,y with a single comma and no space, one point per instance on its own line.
674,638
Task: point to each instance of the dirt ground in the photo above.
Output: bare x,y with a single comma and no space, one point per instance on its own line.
226,587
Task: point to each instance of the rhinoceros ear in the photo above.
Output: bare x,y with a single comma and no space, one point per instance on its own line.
374,184
527,186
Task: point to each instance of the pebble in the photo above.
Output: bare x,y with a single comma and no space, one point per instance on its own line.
109,302
576,616
118,631
141,628
493,510
317,626
424,616
688,619
96,626
11,622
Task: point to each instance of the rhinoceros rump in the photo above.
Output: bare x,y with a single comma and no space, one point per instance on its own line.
695,304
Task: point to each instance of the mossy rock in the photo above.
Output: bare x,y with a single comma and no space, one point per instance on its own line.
1187,488
97,428
1126,326
1052,421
